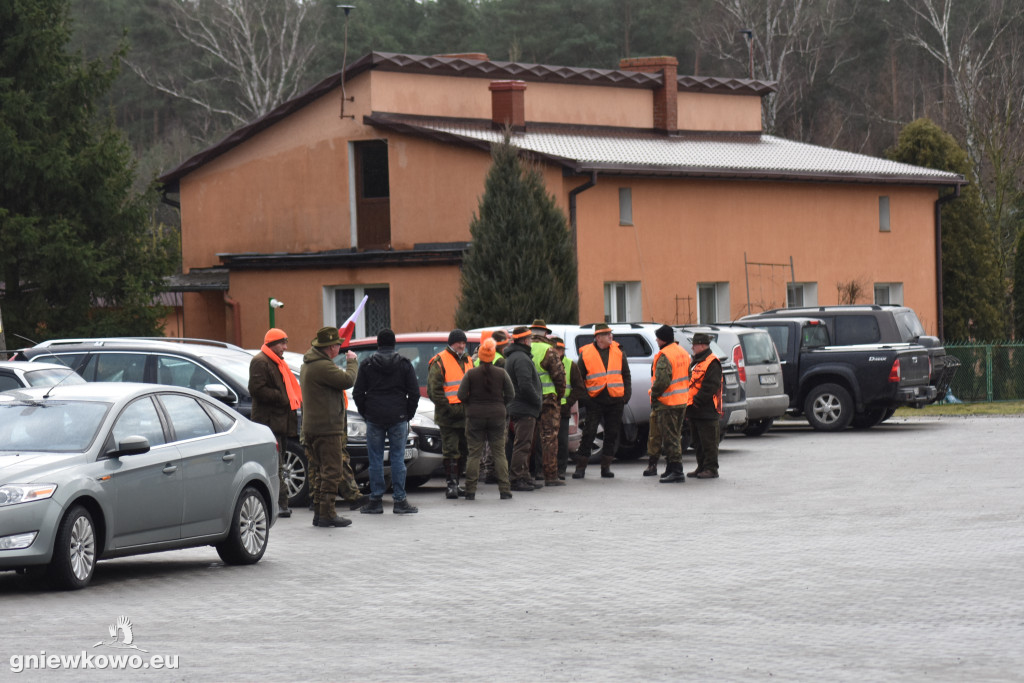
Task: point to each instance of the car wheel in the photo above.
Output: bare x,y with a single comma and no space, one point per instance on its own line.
758,427
250,530
829,408
868,419
413,483
889,412
74,551
296,474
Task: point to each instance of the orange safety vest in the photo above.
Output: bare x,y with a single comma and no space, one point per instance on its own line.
697,379
453,373
678,389
598,377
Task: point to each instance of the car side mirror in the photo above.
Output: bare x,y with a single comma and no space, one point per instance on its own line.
130,445
217,391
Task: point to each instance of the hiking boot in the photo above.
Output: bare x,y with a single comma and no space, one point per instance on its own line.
606,473
506,495
522,485
357,503
674,474
690,474
707,474
402,507
554,482
284,513
374,507
333,521
470,495
652,467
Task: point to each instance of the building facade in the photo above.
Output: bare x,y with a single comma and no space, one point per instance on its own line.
682,210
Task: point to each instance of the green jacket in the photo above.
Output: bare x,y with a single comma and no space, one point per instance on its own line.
270,404
323,393
445,414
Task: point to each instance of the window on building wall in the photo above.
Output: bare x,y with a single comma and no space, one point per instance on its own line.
625,206
889,293
712,302
883,214
801,294
372,194
340,302
621,302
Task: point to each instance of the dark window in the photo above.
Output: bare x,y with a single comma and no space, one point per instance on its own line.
758,349
115,367
373,195
188,418
8,381
856,329
139,419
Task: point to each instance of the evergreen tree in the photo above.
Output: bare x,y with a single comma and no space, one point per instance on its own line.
972,288
78,256
521,264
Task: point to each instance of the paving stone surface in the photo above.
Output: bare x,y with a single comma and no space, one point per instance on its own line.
893,554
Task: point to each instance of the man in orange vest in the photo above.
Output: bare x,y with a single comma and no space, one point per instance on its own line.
705,406
443,378
606,375
670,382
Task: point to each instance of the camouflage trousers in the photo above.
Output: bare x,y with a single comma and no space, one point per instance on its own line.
453,443
666,430
330,472
545,437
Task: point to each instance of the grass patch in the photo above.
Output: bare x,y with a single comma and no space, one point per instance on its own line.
995,408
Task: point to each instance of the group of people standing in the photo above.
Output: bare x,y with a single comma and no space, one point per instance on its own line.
521,385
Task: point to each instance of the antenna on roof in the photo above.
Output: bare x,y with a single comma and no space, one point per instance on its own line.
748,33
344,58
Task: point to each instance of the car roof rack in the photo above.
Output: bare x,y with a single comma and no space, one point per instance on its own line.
100,341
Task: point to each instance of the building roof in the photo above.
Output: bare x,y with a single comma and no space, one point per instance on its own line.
467,67
629,151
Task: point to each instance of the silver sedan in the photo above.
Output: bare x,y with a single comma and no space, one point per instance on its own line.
102,470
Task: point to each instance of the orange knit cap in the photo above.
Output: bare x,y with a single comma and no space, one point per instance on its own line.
274,335
487,350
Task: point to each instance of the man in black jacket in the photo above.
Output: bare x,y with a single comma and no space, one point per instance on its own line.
705,406
524,409
386,395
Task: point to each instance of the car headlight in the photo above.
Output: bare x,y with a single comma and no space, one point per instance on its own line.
356,427
12,494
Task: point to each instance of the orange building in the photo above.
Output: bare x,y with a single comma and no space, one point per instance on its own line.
682,209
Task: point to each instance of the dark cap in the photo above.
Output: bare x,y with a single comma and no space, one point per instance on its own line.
457,336
538,324
386,337
665,334
602,328
520,333
326,336
701,338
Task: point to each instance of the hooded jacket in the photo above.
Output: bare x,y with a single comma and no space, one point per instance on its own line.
525,380
387,391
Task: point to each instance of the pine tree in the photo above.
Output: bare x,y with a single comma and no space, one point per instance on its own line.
521,264
78,256
972,288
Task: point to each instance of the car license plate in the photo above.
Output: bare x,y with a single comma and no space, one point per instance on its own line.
410,453
767,379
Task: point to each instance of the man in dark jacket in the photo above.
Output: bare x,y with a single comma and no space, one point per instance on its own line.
444,374
524,409
386,395
705,407
275,399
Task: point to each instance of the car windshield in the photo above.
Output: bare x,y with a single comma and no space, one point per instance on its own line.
910,327
758,349
235,368
50,426
47,377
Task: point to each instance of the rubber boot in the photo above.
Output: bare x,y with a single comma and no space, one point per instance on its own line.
581,467
674,474
451,474
652,466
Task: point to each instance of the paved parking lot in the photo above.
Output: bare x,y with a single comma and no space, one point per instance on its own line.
890,554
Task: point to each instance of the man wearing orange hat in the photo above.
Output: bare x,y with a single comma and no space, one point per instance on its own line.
275,399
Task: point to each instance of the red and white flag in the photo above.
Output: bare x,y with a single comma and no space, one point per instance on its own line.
349,326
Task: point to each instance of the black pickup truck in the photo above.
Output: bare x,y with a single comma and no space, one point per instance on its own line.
836,386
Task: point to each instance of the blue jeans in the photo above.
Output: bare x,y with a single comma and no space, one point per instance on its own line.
396,434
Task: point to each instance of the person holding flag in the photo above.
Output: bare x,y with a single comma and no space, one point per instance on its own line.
276,398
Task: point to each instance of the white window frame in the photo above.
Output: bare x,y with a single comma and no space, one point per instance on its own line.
359,291
629,301
892,291
625,206
808,292
719,292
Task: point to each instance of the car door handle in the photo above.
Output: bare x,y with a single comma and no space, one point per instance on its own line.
228,457
170,469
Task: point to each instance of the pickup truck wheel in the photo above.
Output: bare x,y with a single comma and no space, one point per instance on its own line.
758,427
869,418
829,408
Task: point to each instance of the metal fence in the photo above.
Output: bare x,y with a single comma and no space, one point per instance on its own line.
988,372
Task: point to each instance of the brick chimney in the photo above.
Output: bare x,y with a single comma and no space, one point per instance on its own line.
666,106
508,104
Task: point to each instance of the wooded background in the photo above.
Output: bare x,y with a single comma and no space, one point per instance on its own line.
851,74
